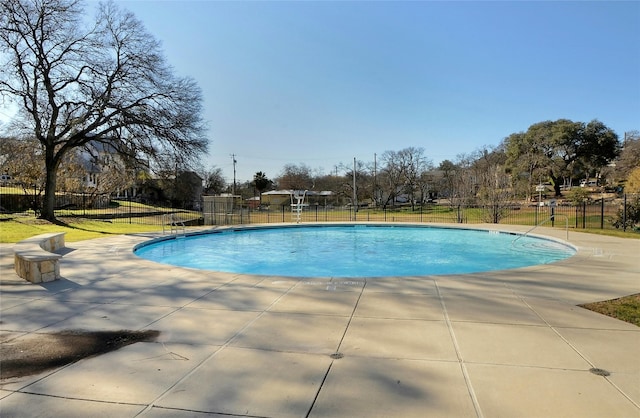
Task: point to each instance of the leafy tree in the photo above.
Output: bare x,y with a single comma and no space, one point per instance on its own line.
597,146
560,148
633,182
261,182
579,195
527,162
187,190
106,82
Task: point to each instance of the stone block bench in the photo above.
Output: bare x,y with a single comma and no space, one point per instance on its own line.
34,260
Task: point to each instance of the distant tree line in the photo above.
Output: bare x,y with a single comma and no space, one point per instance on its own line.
555,154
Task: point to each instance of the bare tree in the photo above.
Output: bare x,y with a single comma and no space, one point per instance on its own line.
107,83
94,171
296,177
446,183
404,173
483,180
416,165
495,193
21,159
363,184
629,159
214,182
391,179
463,185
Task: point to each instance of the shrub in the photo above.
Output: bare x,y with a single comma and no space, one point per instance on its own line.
632,216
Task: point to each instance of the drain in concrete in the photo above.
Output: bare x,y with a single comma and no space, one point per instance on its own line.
336,356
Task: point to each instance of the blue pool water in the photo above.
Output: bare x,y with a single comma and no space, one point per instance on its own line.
354,251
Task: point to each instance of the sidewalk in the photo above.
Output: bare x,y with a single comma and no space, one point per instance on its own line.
501,344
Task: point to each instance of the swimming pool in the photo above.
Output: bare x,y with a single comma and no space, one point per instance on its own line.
354,250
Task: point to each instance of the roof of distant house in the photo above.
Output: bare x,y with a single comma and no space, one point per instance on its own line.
290,192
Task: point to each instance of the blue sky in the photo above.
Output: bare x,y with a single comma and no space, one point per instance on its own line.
322,82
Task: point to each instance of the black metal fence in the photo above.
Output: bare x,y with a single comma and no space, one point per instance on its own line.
122,210
599,215
603,214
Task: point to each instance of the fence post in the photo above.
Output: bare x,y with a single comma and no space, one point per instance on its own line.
576,216
602,213
584,215
35,201
283,213
624,213
129,210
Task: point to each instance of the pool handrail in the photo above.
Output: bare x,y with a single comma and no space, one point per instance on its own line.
175,224
551,218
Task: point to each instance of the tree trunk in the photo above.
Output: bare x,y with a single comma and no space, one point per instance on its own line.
49,198
556,185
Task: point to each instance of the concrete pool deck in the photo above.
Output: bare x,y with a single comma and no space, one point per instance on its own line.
507,343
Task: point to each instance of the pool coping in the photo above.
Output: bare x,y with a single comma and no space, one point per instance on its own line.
495,334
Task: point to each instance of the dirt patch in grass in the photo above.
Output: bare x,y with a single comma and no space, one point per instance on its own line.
625,309
36,353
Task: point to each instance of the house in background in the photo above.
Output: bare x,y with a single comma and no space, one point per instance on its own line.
105,172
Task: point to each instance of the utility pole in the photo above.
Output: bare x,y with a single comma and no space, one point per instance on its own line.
355,194
375,180
233,190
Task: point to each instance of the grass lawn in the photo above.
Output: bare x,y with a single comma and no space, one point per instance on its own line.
626,308
17,229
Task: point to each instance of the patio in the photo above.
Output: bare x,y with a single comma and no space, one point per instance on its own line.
506,343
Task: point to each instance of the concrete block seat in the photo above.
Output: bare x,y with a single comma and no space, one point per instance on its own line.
34,259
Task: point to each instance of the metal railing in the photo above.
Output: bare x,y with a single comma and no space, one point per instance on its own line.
173,224
550,219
